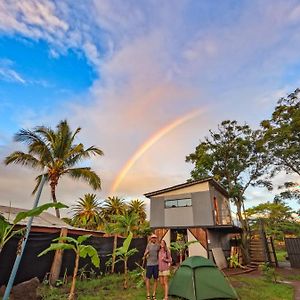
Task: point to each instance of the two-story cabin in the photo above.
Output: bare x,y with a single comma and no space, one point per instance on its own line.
193,211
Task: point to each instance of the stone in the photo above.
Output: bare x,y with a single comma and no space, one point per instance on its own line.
26,290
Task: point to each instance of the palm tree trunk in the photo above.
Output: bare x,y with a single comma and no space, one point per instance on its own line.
54,199
113,261
72,291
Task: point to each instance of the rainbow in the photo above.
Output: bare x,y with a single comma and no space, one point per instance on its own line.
150,142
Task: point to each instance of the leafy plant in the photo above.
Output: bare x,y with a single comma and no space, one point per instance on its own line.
138,275
180,247
68,243
234,261
122,254
269,272
8,229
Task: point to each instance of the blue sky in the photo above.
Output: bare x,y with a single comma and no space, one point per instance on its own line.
122,70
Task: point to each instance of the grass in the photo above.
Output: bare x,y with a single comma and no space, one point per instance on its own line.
281,255
111,288
249,288
108,287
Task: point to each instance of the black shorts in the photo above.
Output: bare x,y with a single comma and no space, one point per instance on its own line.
152,271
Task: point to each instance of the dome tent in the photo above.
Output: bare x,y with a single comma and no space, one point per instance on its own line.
198,278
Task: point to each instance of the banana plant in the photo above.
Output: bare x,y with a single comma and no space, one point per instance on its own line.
8,229
122,254
180,247
68,243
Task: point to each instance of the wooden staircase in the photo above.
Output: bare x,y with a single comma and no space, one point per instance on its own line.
262,248
257,252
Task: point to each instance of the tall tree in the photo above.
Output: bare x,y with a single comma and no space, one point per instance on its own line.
113,206
282,138
139,208
282,134
87,212
55,152
233,155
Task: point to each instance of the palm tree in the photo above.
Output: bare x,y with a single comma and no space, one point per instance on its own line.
87,212
55,152
126,223
139,208
113,206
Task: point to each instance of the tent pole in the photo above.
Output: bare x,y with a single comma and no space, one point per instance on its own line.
19,255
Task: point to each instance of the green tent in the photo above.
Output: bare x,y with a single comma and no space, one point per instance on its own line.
198,278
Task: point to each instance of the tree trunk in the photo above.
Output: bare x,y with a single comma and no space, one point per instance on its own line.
125,274
245,232
113,259
52,185
72,291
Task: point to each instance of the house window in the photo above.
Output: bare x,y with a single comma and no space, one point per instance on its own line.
178,203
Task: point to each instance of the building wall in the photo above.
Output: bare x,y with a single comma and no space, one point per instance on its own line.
223,206
157,213
202,209
195,249
179,216
218,239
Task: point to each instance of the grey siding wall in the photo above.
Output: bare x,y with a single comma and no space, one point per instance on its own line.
181,216
157,212
202,209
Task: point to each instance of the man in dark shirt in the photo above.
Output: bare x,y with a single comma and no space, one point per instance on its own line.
151,254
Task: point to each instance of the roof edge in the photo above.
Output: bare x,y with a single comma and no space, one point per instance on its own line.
211,180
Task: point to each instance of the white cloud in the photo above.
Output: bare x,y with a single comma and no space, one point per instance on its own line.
155,66
11,75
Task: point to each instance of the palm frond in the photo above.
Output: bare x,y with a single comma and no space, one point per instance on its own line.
87,175
24,159
38,180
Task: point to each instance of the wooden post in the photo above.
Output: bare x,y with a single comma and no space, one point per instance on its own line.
57,261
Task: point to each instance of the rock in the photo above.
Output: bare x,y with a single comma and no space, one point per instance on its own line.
26,290
2,290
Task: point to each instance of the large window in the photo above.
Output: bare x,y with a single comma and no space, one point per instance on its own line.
178,203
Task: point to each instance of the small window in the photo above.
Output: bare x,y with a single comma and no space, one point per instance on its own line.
178,203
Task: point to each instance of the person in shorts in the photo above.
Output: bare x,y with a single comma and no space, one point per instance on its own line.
164,263
151,253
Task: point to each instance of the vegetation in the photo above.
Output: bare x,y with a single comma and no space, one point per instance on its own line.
252,288
282,141
110,288
8,227
234,156
122,254
277,218
68,243
179,247
87,212
55,152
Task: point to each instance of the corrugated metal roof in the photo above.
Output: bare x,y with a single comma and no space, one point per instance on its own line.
45,219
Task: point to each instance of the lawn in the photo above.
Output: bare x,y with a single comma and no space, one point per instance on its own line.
253,288
110,288
281,255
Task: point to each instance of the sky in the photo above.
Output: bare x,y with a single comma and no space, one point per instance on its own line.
145,80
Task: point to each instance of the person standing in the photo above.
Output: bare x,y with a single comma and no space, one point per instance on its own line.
151,253
164,263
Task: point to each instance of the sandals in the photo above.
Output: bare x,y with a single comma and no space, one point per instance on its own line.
153,297
148,298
